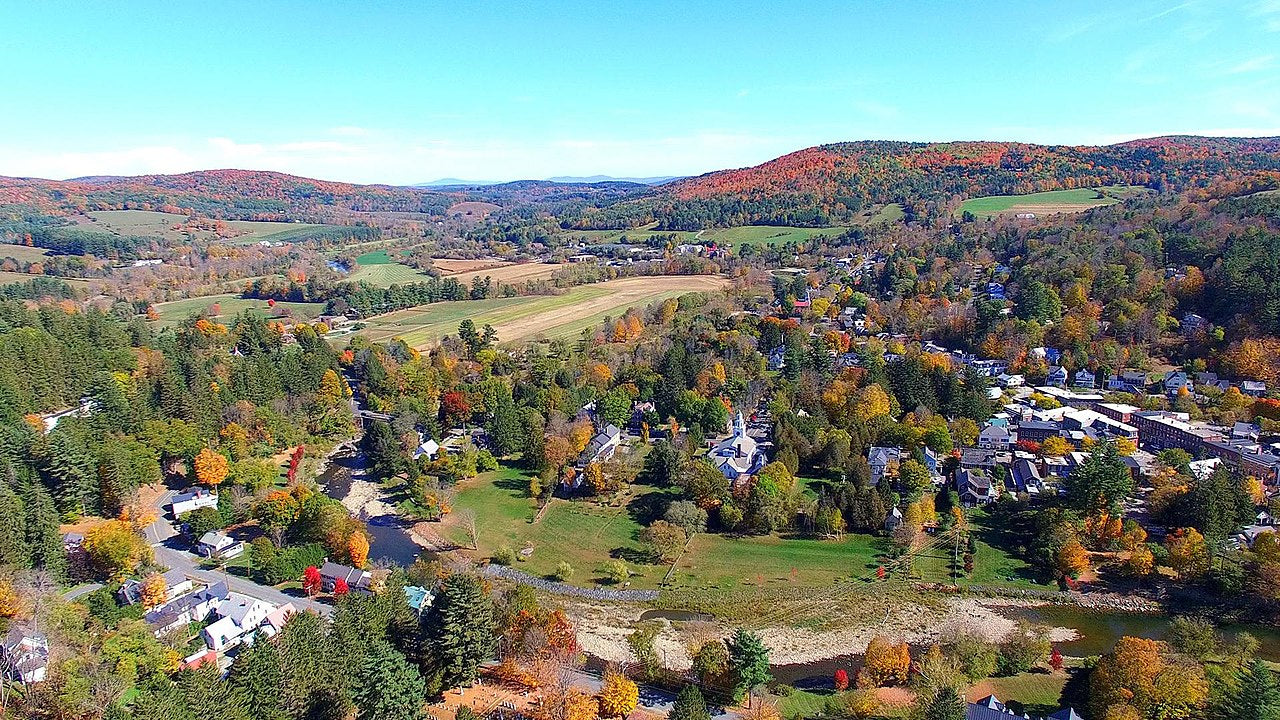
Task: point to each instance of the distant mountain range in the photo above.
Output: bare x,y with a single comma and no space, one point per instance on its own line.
565,179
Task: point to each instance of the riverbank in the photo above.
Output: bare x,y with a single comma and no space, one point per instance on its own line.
603,630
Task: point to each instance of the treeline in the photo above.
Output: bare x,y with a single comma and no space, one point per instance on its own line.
37,288
373,300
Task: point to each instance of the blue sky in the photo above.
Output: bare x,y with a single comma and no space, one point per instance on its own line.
403,92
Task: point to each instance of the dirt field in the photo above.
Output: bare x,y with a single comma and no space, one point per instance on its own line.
511,274
473,209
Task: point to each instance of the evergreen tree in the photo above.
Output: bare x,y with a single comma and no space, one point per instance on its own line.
1101,483
748,662
43,540
71,472
314,682
689,705
257,673
460,630
14,551
1255,695
386,686
1217,505
944,704
506,430
209,698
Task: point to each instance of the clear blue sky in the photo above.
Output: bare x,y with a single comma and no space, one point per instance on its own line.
413,91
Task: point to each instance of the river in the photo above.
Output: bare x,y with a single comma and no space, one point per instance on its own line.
389,539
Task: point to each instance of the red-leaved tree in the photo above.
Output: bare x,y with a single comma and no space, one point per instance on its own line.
340,588
311,581
1055,660
841,680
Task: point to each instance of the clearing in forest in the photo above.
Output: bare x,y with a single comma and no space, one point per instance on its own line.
1051,202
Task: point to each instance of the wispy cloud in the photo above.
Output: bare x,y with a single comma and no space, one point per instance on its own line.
1269,11
1254,64
1168,11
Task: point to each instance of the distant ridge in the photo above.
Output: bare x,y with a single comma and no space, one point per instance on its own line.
563,179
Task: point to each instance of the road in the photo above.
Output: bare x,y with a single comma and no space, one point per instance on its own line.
651,699
167,543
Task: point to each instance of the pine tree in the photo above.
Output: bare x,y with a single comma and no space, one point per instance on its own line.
460,630
70,468
257,673
14,551
43,540
748,662
1256,695
689,705
386,686
944,704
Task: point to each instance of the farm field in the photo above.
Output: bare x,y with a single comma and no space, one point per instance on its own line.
1051,202
765,235
377,267
158,224
229,306
22,253
541,316
7,278
508,273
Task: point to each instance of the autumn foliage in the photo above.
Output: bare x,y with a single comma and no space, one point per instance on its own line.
211,467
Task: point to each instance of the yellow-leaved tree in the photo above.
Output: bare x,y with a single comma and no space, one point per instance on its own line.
618,695
211,467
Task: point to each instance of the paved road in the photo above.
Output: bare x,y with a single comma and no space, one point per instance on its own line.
80,591
651,699
167,543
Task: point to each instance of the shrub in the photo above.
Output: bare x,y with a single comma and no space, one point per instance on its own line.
563,572
503,556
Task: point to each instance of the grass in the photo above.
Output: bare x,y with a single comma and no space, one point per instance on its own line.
22,253
1051,201
384,272
158,224
229,306
17,277
532,316
766,235
374,257
585,535
1035,693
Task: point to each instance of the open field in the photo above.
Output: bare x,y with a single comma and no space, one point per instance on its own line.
22,253
587,535
157,224
765,235
7,278
229,306
1036,692
509,273
540,316
1052,202
377,267
447,266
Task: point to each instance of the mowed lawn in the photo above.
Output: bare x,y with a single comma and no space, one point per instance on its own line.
229,306
22,253
583,534
532,317
1053,201
378,268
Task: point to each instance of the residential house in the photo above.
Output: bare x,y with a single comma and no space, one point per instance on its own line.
1057,376
1084,379
73,543
884,463
1133,382
24,654
777,358
217,544
238,616
975,487
1193,323
602,445
995,437
176,583
1211,379
933,461
186,609
192,499
739,456
419,598
1025,477
1175,381
1010,381
274,622
978,458
1245,431
990,708
357,580
1253,388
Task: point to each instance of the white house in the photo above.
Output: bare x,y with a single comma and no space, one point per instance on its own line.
189,608
176,583
603,444
192,499
25,655
217,544
238,616
427,447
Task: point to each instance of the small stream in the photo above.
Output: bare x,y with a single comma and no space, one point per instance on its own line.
389,539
